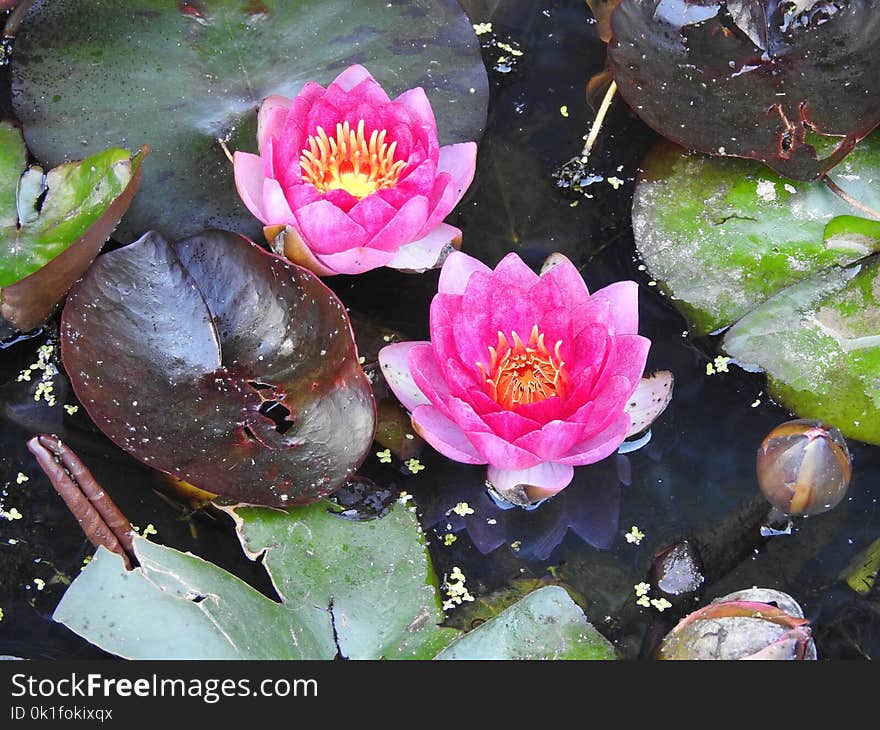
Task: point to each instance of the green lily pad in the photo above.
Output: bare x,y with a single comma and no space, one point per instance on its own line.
722,235
180,76
53,225
819,343
364,590
546,624
787,264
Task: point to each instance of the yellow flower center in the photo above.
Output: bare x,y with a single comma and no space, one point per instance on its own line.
524,373
350,162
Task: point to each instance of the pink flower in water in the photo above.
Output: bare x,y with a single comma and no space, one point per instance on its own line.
528,374
358,180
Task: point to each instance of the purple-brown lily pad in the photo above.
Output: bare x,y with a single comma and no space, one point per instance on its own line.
221,364
753,78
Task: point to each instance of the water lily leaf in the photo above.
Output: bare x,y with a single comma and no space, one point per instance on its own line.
819,342
180,76
222,365
546,624
752,78
375,576
178,606
52,225
364,590
721,236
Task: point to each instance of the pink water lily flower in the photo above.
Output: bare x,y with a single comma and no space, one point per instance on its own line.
529,374
353,179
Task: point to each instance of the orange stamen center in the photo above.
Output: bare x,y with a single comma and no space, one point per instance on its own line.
524,373
349,161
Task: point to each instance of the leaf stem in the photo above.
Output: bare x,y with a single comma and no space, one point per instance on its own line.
225,149
100,518
599,120
846,197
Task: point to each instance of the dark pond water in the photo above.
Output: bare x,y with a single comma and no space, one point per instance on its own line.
694,480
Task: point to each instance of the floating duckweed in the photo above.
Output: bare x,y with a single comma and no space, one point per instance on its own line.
449,538
414,465
150,530
661,604
463,509
563,110
71,409
642,588
384,456
516,545
482,28
39,583
455,589
404,497
635,535
644,601
12,514
21,478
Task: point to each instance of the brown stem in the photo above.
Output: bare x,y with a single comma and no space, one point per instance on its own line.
846,197
100,519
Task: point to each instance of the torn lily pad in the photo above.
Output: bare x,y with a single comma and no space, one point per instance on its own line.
357,590
53,224
232,369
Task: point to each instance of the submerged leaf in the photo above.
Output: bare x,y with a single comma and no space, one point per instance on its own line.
53,225
181,77
752,78
221,364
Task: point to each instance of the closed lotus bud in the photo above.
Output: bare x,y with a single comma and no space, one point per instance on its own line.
753,624
803,467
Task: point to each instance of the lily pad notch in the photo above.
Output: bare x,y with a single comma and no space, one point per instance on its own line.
221,364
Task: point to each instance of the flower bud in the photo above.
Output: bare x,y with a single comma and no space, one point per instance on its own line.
803,467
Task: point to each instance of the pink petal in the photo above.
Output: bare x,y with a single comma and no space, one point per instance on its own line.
393,359
548,476
630,355
568,279
248,170
276,206
553,440
428,252
460,161
299,196
456,272
502,453
271,117
604,406
372,214
624,299
416,103
509,425
327,230
444,435
352,76
416,180
402,228
462,379
426,374
355,260
599,446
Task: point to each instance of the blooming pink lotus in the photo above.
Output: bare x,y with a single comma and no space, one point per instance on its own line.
528,374
354,179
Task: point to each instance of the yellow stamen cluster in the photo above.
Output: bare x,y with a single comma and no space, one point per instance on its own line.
524,373
351,162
